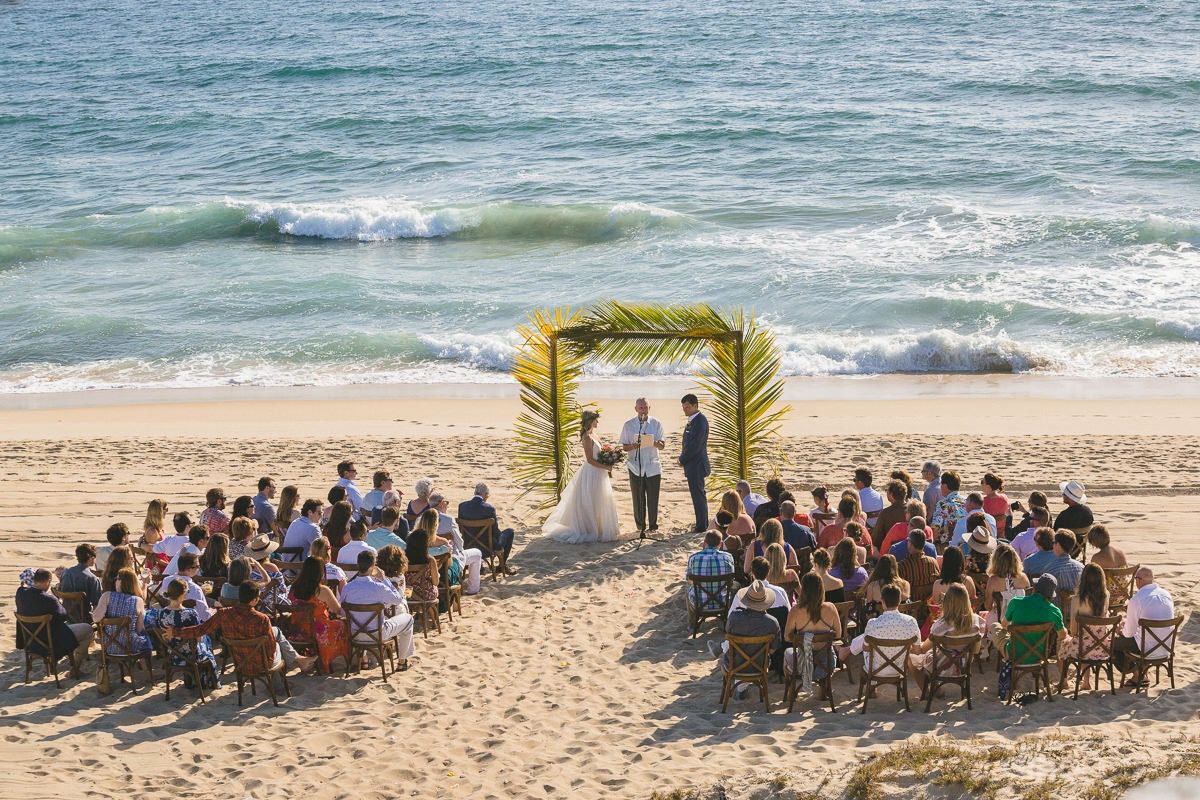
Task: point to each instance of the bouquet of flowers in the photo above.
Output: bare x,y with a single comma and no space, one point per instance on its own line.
611,455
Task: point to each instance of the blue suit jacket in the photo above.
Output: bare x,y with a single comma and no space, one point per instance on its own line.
477,509
694,455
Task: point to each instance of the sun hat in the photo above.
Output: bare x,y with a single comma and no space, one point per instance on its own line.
261,546
1075,491
981,541
1047,585
754,597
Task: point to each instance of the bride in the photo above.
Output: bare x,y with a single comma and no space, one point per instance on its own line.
587,511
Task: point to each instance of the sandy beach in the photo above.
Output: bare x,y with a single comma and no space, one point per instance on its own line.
575,678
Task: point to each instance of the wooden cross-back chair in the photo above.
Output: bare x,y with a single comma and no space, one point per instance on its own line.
289,561
1092,652
365,635
709,597
885,661
849,627
452,592
1030,653
951,664
481,534
268,602
1156,638
117,633
1080,551
822,652
187,651
1062,599
254,660
34,634
79,610
803,561
820,519
302,630
1120,586
791,586
423,611
748,660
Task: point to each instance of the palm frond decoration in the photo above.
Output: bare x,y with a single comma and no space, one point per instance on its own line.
740,376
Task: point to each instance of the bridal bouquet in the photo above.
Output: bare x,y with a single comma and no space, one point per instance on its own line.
610,455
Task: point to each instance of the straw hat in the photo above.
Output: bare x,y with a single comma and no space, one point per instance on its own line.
755,598
261,546
1075,491
981,541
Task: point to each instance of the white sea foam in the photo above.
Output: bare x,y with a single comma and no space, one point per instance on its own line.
366,219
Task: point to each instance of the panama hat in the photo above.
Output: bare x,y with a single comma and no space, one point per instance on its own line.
261,546
981,541
1074,490
754,597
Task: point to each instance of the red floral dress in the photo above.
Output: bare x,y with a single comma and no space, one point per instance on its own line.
330,634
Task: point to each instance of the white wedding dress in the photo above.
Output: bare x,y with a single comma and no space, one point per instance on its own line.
587,511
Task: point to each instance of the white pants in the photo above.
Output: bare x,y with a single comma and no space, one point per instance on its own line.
400,628
472,570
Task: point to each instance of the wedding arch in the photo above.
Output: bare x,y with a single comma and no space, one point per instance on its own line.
739,375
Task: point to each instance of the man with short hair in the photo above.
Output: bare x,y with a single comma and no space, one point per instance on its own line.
894,514
931,471
188,567
1076,515
170,546
693,457
642,438
478,508
1150,602
214,517
760,568
795,534
198,538
769,509
1066,570
305,529
950,508
915,541
348,554
871,500
470,559
264,512
917,566
35,600
117,536
346,474
1036,609
385,533
1024,542
972,504
891,624
81,578
381,482
750,500
914,517
371,586
1036,564
712,560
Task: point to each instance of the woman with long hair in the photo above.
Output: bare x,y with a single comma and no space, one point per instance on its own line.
421,575
771,533
957,619
309,589
995,501
124,599
742,524
1090,600
813,613
337,529
886,573
779,572
1005,575
214,561
845,565
154,527
289,509
587,510
953,572
834,591
243,507
428,523
120,558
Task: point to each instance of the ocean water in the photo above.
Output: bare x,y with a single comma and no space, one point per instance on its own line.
310,193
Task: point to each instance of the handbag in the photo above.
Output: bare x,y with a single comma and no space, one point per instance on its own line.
103,681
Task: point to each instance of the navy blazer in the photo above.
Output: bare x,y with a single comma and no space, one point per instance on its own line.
694,452
477,509
34,603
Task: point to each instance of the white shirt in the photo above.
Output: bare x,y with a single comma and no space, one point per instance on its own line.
194,592
752,501
781,598
888,625
448,529
644,461
349,552
1149,602
353,495
872,501
960,527
173,567
171,545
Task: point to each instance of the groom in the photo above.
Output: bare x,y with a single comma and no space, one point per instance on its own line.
694,458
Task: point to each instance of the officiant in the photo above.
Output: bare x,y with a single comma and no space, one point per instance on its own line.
642,437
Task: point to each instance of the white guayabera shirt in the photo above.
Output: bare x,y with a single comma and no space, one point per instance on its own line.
644,461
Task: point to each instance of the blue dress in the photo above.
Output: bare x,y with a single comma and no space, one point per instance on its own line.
186,618
125,605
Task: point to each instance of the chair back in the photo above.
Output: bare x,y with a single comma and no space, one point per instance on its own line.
749,656
1096,635
1030,644
367,626
443,568
822,645
955,653
792,587
843,609
478,533
804,561
77,605
288,560
252,657
176,647
885,659
350,569
411,518
820,519
1062,599
912,608
302,621
1080,551
116,636
712,592
1120,585
1156,638
33,634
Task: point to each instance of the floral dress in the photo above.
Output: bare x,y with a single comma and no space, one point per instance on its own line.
329,634
186,618
419,578
125,605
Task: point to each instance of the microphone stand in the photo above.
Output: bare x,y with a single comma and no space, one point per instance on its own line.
643,537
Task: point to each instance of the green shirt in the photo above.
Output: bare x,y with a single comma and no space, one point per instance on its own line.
1031,610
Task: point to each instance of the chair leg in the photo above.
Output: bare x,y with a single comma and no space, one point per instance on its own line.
904,691
240,684
765,696
726,690
269,680
286,688
864,692
382,665
827,684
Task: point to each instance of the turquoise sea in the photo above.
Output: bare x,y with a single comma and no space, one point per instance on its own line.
214,193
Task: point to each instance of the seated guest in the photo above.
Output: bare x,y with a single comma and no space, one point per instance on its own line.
956,619
469,559
241,531
1036,609
979,548
214,517
478,508
1006,576
372,500
901,549
914,517
871,500
334,496
797,536
778,572
995,501
289,509
910,493
170,546
189,569
769,509
1106,555
887,573
835,592
347,472
951,573
857,533
81,577
243,508
931,473
1065,569
972,505
177,615
760,570
304,530
798,517
750,500
896,513
845,566
820,496
120,558
337,528
198,538
1044,539
741,524
241,569
1090,600
125,600
154,528
369,586
811,614
1025,542
357,544
1150,602
1076,515
421,575
263,512
858,516
394,563
385,534
949,510
769,533
891,624
419,504
244,621
117,536
709,561
323,626
751,619
1036,500
918,567
321,550
214,561
34,599
835,531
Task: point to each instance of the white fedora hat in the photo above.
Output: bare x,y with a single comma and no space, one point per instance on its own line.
1075,491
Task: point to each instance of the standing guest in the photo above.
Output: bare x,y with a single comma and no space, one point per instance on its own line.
289,509
949,510
910,492
369,586
154,527
34,599
337,528
643,463
117,536
381,483
902,549
995,501
176,615
243,508
469,559
197,540
751,619
1106,555
1076,515
972,506
418,505
1044,539
1025,541
264,512
896,513
81,577
769,509
309,589
478,508
872,501
931,472
835,592
887,573
1150,602
304,530
1065,569
125,600
770,533
385,535
320,550
891,624
845,566
189,569
956,619
750,500
1036,500
214,517
709,561
347,472
914,516
740,522
358,543
796,535
241,531
214,561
